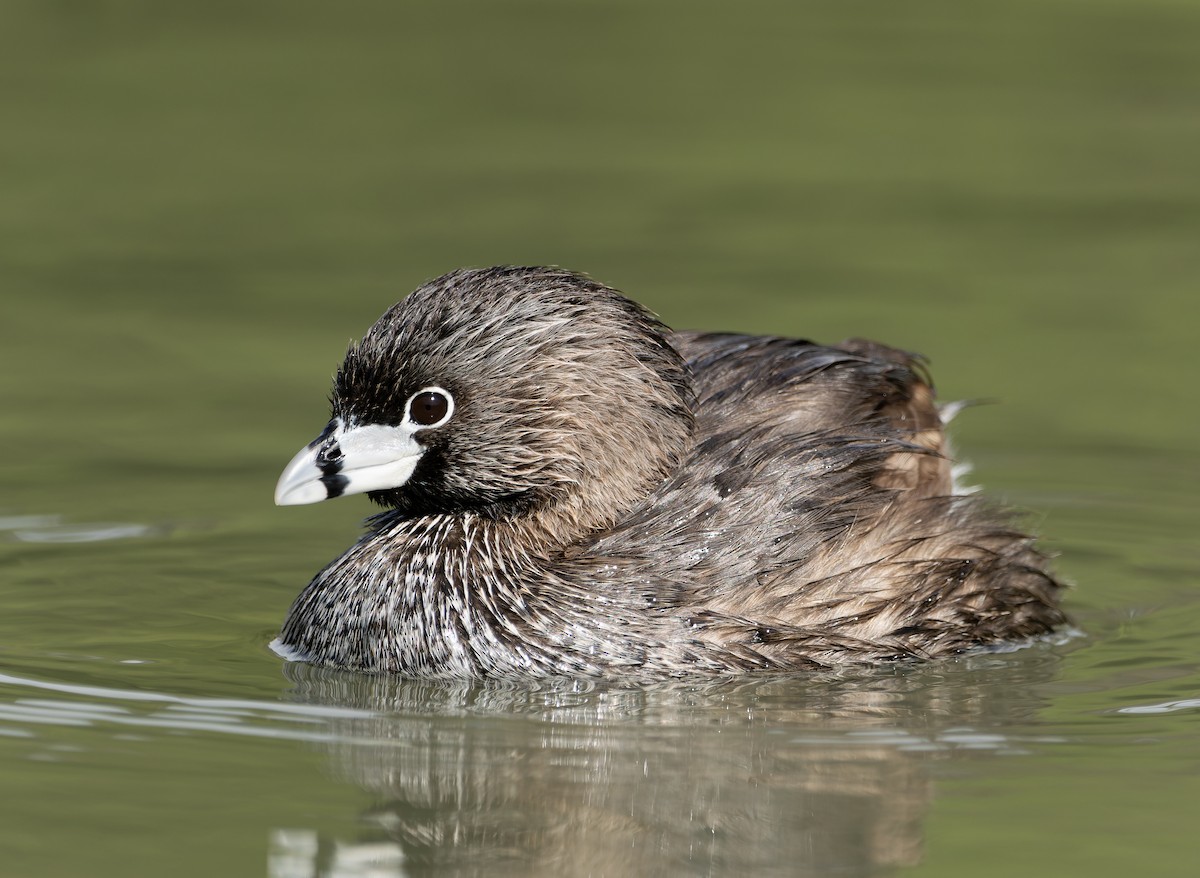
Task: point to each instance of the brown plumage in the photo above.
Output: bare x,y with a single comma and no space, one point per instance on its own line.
576,490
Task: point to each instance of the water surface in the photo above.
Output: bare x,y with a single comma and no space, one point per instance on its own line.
202,204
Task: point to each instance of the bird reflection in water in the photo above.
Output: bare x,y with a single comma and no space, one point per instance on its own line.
811,776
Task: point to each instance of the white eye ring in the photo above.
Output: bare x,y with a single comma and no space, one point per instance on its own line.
434,406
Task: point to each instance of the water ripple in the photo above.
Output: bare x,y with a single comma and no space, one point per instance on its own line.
84,533
302,722
1164,707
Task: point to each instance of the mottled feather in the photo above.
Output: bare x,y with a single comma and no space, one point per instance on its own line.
612,498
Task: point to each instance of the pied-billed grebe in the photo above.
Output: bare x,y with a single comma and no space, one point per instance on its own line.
573,489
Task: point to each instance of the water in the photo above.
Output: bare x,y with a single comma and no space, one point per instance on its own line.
203,203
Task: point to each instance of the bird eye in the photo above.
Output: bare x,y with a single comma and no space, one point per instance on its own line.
430,407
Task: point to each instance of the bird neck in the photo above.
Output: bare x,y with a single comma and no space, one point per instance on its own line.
497,604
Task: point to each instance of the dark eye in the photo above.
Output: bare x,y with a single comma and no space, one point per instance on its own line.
430,407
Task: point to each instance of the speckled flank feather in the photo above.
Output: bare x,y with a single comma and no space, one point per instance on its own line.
614,499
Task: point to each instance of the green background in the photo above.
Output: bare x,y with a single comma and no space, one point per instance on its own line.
201,203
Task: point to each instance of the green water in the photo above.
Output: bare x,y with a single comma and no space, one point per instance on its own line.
201,203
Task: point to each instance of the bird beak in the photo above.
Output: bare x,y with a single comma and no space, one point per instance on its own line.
349,460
